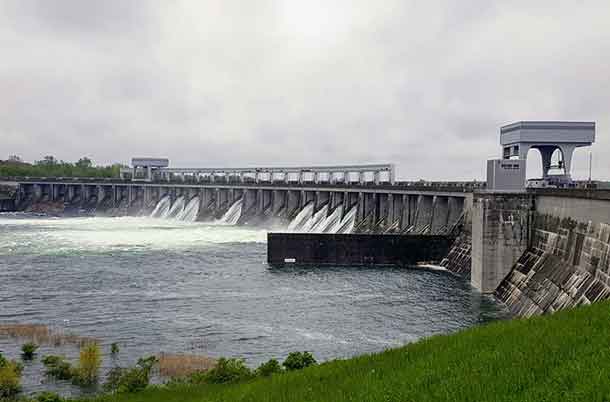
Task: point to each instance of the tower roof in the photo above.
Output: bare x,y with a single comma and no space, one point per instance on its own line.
579,133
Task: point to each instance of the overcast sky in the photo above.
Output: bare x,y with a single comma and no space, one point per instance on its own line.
423,84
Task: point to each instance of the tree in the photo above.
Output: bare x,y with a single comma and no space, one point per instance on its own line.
14,158
84,163
47,160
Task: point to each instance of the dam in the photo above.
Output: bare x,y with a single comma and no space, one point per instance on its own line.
402,207
538,246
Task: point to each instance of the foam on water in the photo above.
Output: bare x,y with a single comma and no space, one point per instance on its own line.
100,234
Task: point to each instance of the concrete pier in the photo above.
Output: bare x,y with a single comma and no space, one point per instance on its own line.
500,234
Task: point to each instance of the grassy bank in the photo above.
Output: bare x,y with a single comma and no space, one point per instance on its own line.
564,357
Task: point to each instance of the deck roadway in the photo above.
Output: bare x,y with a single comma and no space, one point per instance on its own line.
410,188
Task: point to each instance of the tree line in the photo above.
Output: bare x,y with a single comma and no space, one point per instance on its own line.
49,166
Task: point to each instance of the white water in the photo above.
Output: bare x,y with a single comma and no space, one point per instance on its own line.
232,215
326,225
103,235
176,208
315,220
162,207
348,222
306,220
190,211
303,216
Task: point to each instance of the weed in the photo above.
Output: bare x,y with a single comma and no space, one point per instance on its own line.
299,360
29,350
48,397
89,363
129,380
10,378
172,366
41,334
57,367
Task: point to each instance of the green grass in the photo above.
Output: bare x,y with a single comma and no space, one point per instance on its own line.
564,357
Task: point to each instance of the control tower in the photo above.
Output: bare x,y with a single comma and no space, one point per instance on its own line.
547,137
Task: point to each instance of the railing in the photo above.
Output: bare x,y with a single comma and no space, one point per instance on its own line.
399,185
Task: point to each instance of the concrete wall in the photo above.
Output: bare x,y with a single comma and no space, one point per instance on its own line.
567,263
7,205
8,196
355,249
500,225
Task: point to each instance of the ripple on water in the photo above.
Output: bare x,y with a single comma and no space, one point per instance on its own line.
155,285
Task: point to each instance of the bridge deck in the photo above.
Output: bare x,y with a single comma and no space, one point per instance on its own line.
446,188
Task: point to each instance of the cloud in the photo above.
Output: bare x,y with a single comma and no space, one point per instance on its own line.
210,83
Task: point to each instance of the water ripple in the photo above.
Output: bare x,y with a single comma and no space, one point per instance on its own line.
155,286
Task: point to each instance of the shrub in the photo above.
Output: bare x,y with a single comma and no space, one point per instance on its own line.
58,367
114,348
48,397
197,378
269,368
122,380
228,370
147,363
299,360
10,378
89,363
29,350
51,360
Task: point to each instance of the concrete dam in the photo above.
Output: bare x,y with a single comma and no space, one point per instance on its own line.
537,246
316,207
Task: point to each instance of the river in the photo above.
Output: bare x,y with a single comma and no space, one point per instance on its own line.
161,285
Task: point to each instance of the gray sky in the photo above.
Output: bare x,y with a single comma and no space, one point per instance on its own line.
423,84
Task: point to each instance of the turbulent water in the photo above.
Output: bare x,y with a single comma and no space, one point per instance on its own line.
232,215
157,285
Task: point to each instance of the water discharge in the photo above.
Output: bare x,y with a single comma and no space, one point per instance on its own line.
232,215
162,208
332,220
315,220
176,208
348,222
190,211
303,216
306,221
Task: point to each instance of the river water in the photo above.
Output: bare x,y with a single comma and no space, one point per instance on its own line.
155,285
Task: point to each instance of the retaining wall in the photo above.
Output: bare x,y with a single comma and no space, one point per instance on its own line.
567,262
355,249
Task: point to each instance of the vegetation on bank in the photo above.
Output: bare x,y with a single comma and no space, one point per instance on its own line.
51,167
563,357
